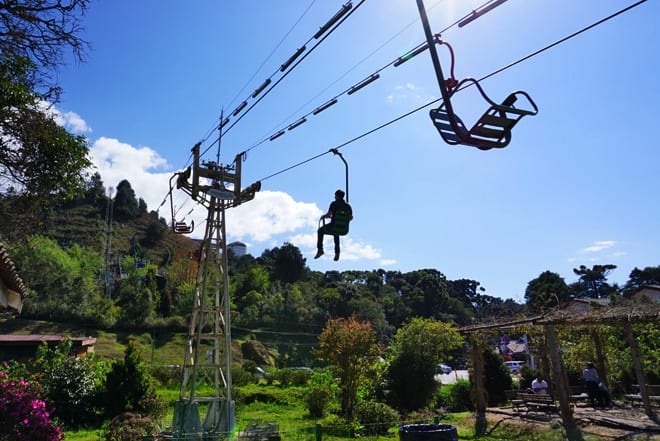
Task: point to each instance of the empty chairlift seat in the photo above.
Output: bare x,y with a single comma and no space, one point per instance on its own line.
492,129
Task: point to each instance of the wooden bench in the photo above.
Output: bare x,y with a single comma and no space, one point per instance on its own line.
636,397
512,397
578,394
533,402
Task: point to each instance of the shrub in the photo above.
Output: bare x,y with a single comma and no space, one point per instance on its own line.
376,418
23,415
167,375
321,394
242,377
129,387
497,377
70,381
457,396
292,376
129,427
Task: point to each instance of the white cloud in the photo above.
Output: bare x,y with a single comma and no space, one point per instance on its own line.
271,213
117,161
598,246
267,221
408,91
69,120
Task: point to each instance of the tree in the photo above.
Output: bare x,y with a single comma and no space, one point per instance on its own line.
593,282
126,205
129,387
418,347
285,264
547,291
639,278
63,282
38,158
39,31
350,347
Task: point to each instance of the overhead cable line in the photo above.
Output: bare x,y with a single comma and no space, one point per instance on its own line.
568,37
290,64
214,126
370,78
277,46
417,109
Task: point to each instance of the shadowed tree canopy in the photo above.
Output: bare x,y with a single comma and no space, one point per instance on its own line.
39,160
639,278
593,282
546,291
39,32
126,205
285,263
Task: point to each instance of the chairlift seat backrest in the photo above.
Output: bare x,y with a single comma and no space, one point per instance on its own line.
492,129
341,219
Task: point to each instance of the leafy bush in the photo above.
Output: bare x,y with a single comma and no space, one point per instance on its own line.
376,418
242,377
497,378
71,381
23,414
129,427
167,375
323,391
456,397
129,387
292,376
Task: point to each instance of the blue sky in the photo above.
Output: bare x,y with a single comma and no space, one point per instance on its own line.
578,183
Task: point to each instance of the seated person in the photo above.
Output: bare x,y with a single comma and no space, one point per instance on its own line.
540,386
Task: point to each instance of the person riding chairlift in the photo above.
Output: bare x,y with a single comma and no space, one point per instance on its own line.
340,214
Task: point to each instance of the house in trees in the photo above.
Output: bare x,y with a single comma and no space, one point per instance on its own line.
649,291
22,347
12,288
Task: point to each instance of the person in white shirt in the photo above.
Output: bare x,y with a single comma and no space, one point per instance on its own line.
540,386
591,380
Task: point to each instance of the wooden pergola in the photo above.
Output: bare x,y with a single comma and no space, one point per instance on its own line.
618,315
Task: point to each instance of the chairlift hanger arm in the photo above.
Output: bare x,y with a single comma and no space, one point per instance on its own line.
336,152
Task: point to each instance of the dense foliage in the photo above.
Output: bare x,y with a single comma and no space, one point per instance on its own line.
73,382
23,413
418,347
130,388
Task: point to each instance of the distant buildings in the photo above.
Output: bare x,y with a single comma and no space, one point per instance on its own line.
238,248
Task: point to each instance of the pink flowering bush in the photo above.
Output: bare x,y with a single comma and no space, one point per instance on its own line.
23,415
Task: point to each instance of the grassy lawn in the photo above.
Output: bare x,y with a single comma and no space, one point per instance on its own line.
285,407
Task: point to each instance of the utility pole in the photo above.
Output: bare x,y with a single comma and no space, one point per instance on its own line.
208,350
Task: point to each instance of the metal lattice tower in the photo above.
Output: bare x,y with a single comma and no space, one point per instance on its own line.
205,409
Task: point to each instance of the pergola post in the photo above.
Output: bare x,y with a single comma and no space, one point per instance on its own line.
572,431
637,365
600,355
477,380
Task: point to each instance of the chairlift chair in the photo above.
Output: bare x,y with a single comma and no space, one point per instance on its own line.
340,222
182,227
493,129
